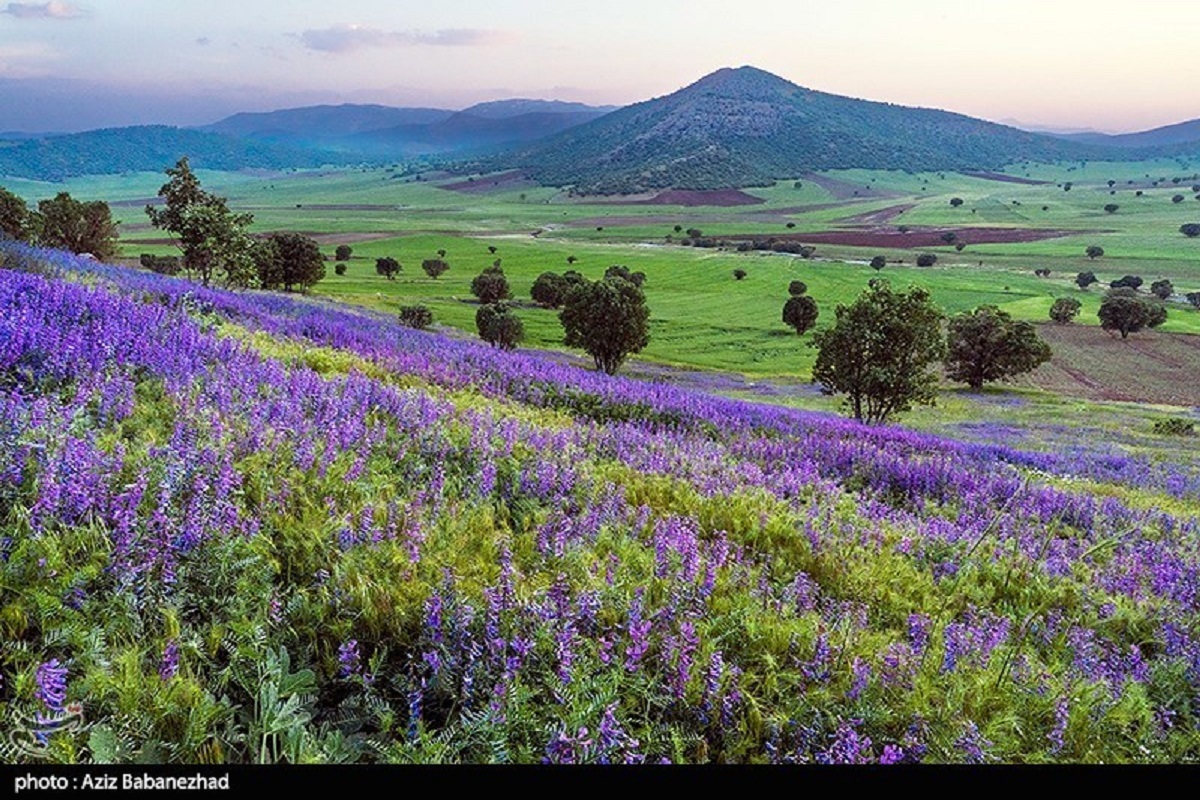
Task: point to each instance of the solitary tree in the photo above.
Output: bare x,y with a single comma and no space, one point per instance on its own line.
879,352
956,201
14,217
926,260
212,238
417,316
949,237
1064,310
289,260
1193,298
435,267
800,312
388,267
1177,198
1125,312
1085,279
987,345
68,224
343,252
499,326
739,274
1162,289
1094,252
491,286
608,320
1190,230
1112,208
339,268
878,263
550,290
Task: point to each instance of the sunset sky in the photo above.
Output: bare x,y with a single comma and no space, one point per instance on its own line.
1102,64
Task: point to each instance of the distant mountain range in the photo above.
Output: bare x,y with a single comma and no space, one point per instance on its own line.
744,127
731,129
381,131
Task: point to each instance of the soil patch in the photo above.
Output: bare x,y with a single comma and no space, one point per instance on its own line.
844,190
881,217
1145,368
501,182
916,237
1002,178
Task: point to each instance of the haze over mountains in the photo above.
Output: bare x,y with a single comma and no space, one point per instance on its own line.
731,129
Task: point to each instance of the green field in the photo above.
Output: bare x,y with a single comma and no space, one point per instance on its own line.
702,317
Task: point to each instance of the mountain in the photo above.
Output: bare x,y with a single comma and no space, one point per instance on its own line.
1181,134
384,131
744,127
499,109
149,148
317,124
467,131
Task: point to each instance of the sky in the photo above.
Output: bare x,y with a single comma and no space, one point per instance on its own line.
1109,65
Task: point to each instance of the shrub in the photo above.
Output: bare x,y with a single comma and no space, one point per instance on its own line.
956,201
739,274
926,260
1064,310
1174,426
1177,198
1193,298
1128,282
1094,252
1190,229
388,267
1162,289
339,269
417,316
1111,208
343,252
491,286
1085,279
797,288
878,263
499,326
435,267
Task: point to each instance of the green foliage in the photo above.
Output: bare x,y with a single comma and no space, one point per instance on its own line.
618,271
68,224
1133,282
418,316
1085,279
289,260
739,274
550,290
499,326
435,267
608,320
800,312
1174,426
491,286
1065,310
15,218
988,345
1111,208
163,265
214,240
343,252
339,268
797,288
878,263
1162,289
1190,229
1193,298
388,267
956,201
1094,251
1123,311
880,351
927,259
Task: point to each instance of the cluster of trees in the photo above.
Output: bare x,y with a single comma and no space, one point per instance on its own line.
608,319
882,348
767,245
61,222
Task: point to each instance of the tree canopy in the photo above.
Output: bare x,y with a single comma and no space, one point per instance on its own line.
880,350
988,345
607,319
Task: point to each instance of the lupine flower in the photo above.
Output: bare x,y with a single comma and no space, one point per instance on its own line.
1062,715
169,665
972,744
349,660
52,685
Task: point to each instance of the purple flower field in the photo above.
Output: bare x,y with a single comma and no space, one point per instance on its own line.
253,527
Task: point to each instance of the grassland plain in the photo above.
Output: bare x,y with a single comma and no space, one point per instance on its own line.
701,317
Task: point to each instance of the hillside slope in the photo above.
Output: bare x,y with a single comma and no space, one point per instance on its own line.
743,127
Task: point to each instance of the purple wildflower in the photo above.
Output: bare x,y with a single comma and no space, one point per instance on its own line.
168,667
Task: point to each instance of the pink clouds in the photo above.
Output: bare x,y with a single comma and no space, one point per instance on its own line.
349,38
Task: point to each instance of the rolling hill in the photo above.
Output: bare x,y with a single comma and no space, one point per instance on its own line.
146,149
744,127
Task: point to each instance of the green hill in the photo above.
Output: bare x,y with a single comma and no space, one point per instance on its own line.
147,148
745,127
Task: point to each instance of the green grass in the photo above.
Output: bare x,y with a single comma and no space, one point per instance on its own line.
702,318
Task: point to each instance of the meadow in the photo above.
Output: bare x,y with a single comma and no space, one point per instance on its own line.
266,528
702,318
